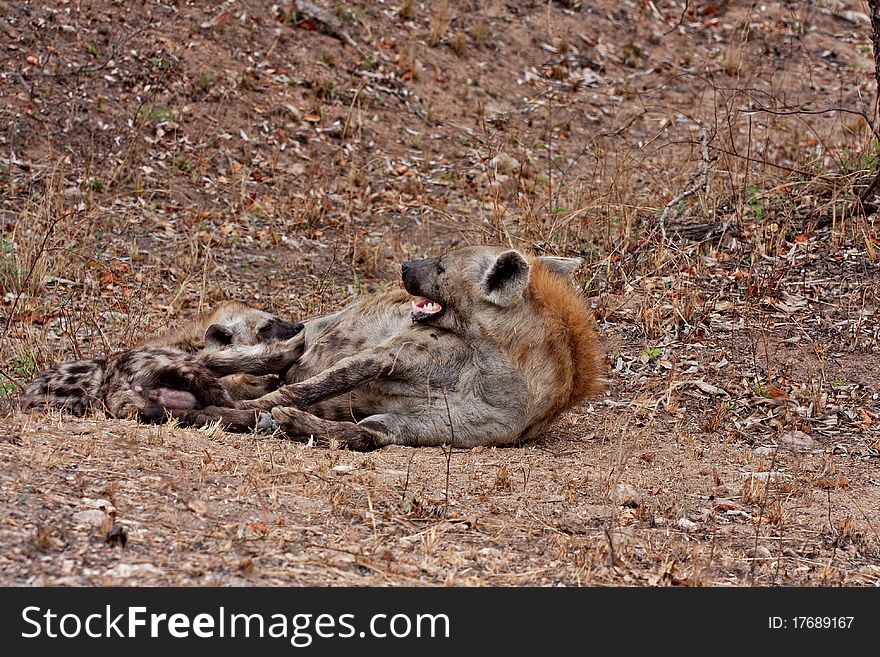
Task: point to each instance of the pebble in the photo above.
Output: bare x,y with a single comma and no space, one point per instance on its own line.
134,569
764,476
797,440
92,517
625,495
760,552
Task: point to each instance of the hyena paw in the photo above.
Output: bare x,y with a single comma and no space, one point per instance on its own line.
285,417
363,442
266,423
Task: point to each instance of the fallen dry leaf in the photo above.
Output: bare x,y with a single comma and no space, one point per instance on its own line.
199,507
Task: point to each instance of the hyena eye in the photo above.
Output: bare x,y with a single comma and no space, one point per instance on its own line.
440,267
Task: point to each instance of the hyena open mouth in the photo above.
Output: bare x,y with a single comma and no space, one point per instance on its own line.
425,308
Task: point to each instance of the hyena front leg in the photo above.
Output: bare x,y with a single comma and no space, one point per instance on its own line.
301,426
231,419
346,375
263,358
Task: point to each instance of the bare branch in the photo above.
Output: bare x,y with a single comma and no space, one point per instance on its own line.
701,184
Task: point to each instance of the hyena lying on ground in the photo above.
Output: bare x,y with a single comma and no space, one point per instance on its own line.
177,375
495,348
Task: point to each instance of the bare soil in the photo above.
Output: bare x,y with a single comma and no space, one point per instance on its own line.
705,158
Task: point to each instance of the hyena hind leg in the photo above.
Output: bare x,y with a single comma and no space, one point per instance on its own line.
301,426
391,429
180,386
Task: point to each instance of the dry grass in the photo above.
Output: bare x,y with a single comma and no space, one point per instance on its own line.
297,180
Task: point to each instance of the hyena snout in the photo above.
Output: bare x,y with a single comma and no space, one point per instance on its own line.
281,330
418,275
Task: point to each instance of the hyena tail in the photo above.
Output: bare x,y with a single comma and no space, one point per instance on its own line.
72,387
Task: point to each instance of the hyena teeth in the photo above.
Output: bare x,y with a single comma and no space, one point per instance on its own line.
426,307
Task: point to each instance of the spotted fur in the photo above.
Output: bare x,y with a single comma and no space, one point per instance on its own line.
178,378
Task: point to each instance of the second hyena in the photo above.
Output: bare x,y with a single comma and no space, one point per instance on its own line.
178,375
216,336
490,348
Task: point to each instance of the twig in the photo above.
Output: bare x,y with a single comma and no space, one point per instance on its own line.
449,455
37,255
357,93
871,189
701,184
680,18
611,556
761,510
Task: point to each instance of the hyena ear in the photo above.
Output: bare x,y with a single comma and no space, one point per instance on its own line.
506,280
562,266
216,335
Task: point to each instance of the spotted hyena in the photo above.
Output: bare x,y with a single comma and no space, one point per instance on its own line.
176,375
217,334
490,348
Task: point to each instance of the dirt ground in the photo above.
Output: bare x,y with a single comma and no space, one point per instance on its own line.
706,159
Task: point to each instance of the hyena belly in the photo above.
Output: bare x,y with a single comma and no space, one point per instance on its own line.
153,383
144,383
73,387
359,327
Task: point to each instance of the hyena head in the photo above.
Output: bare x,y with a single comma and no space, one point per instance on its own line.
473,285
234,324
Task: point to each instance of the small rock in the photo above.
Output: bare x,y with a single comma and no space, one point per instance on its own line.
688,525
93,517
797,440
342,469
760,552
199,507
763,451
134,569
625,495
763,476
709,389
504,163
